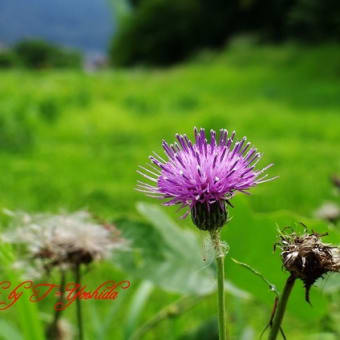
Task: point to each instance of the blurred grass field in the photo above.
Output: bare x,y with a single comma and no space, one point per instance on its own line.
73,140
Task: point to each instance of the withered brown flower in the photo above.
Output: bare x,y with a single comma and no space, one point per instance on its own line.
307,258
63,240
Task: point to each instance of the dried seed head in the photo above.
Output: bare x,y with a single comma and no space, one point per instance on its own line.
62,240
307,258
336,259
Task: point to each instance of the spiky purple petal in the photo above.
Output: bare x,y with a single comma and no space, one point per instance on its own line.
203,172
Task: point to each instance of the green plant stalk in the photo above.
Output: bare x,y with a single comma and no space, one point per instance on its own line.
281,308
215,237
52,330
78,304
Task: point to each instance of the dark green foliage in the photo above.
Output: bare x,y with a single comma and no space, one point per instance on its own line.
7,59
163,32
206,330
67,59
268,18
315,20
49,109
158,32
38,54
135,3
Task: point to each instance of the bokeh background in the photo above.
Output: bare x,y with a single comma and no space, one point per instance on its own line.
88,89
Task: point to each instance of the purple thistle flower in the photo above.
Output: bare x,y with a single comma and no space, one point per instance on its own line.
203,176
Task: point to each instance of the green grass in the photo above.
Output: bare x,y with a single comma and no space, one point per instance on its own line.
72,140
285,100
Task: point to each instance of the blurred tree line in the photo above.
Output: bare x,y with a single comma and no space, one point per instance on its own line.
163,32
38,54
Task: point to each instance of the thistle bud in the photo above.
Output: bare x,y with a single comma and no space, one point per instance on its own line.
307,258
209,216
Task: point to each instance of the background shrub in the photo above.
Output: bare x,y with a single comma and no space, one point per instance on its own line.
162,32
7,59
158,32
315,21
39,54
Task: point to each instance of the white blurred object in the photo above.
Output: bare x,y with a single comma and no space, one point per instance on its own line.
328,211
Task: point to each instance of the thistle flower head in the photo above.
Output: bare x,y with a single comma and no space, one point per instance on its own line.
307,258
63,240
203,174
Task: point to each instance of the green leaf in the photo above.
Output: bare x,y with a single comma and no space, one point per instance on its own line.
100,322
136,306
28,314
167,255
8,331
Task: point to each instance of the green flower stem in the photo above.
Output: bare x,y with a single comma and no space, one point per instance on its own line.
77,273
215,237
52,330
281,308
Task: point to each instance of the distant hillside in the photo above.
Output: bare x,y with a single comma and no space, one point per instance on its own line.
83,24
